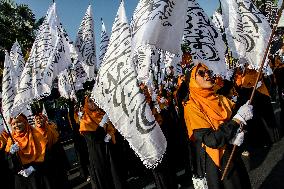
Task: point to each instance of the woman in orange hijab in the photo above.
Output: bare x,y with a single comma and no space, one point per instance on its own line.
30,148
97,131
212,131
55,160
47,129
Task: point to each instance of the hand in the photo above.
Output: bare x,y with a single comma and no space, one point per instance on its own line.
238,138
104,120
162,100
14,148
157,107
107,138
245,113
259,83
27,172
80,115
154,96
235,98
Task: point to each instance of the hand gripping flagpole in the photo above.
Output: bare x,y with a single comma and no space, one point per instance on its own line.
256,81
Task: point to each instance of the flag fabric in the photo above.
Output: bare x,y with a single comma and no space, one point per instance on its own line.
61,59
77,72
85,44
71,80
156,29
159,23
18,61
49,56
8,87
103,44
247,31
64,84
217,20
117,92
270,11
78,76
204,39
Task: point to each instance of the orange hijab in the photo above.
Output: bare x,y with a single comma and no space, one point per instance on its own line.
3,139
90,119
32,144
206,109
48,131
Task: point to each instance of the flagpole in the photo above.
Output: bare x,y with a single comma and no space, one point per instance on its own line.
256,81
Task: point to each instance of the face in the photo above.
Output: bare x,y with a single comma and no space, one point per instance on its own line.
39,121
18,125
204,78
91,105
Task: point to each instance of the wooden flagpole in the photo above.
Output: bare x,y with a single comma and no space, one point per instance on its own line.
256,81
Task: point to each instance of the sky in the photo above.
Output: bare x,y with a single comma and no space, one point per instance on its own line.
71,12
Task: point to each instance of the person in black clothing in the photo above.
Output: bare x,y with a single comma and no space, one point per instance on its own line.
212,130
26,156
5,173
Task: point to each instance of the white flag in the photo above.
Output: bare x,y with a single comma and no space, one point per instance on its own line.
117,92
8,87
159,23
85,44
49,56
217,20
247,31
61,59
103,44
64,84
78,76
77,72
157,29
204,39
18,61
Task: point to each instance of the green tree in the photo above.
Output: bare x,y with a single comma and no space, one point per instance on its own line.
17,22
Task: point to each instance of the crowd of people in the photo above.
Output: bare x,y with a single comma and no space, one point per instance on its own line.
201,116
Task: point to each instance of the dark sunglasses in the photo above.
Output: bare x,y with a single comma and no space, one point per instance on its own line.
203,72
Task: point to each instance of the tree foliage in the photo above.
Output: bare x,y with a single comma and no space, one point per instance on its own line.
17,22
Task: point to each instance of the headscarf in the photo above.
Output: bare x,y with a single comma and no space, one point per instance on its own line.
31,143
48,131
206,109
90,119
3,139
